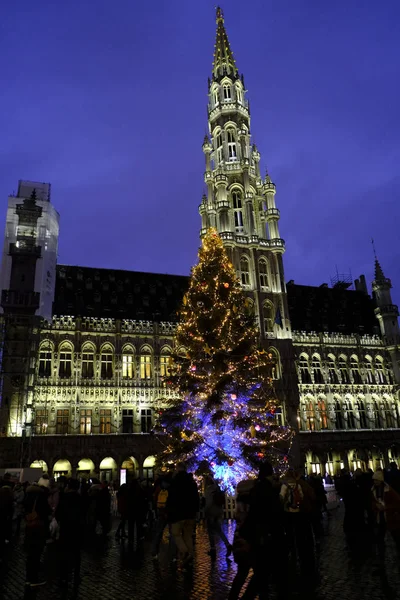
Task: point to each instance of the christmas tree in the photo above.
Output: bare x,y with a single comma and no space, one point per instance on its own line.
226,421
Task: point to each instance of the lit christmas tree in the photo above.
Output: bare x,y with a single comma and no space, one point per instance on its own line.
226,422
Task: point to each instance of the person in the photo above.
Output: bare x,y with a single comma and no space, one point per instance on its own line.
182,506
37,512
261,534
385,506
161,493
122,505
393,477
213,510
99,507
352,492
19,496
6,511
136,511
69,515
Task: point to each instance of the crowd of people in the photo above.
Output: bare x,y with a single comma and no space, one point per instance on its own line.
278,520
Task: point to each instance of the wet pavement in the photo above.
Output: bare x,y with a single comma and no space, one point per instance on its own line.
110,571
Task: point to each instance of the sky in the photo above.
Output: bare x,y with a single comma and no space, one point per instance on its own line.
107,102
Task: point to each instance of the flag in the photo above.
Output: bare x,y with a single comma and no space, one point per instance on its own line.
278,317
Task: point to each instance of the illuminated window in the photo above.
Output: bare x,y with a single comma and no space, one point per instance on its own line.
263,273
65,364
41,421
227,92
310,415
244,271
88,364
62,421
105,420
127,366
268,316
85,422
45,359
323,414
146,420
106,363
165,363
145,366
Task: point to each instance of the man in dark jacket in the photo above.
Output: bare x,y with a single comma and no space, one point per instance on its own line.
70,517
37,512
182,506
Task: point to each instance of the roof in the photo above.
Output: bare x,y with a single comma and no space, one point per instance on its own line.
87,291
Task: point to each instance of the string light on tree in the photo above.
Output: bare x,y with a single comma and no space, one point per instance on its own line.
226,420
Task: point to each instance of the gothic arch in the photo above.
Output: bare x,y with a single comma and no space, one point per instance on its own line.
128,348
65,345
276,370
146,349
88,347
46,345
107,347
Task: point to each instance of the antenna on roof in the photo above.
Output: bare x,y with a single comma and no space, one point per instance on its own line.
341,280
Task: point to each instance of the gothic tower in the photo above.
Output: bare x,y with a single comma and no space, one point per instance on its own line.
387,314
239,203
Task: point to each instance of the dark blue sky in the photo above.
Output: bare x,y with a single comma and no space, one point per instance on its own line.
107,101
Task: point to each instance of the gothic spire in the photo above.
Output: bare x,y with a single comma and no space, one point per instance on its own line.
379,275
224,62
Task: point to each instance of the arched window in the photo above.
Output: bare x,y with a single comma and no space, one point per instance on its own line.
268,317
128,363
355,371
227,92
232,155
380,370
215,96
88,361
146,366
106,362
339,421
237,210
304,367
351,422
263,272
239,95
310,414
276,370
45,359
390,414
65,361
165,362
377,414
333,377
360,405
317,370
369,373
344,373
323,413
218,146
244,271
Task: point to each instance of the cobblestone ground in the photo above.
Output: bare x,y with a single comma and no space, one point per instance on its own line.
111,571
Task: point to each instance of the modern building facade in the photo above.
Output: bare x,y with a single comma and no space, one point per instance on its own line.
85,352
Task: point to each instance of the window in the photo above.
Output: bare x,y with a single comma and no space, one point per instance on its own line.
218,140
88,364
332,370
310,415
145,366
45,357
127,420
360,405
355,371
106,362
146,420
368,371
86,422
105,420
351,422
238,211
263,272
380,370
41,422
62,421
215,97
244,271
65,365
227,92
323,415
127,366
165,363
344,374
339,421
231,144
239,94
268,317
378,416
391,414
316,367
305,374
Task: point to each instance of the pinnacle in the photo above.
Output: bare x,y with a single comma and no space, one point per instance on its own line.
224,62
379,275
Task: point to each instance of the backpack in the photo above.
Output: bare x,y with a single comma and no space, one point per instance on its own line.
162,499
295,497
33,521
